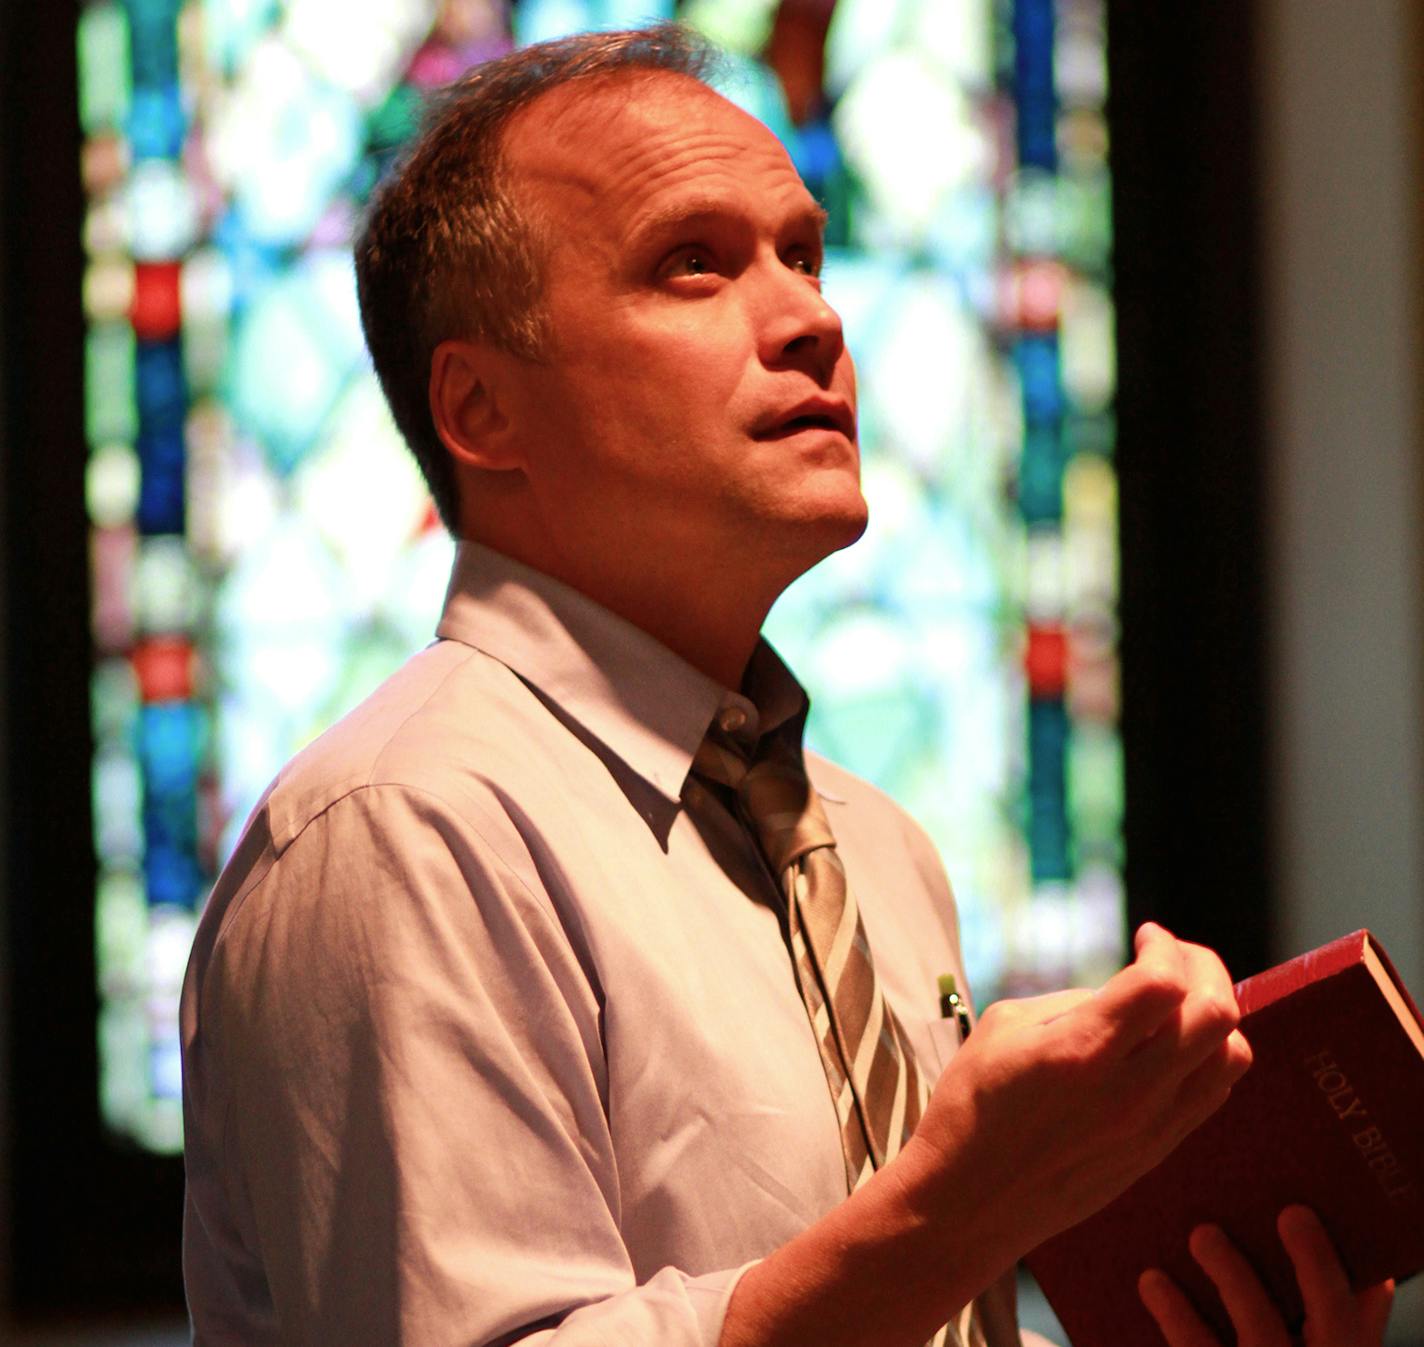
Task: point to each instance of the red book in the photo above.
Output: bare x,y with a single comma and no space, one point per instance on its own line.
1330,1114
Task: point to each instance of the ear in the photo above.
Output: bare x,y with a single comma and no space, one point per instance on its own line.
466,408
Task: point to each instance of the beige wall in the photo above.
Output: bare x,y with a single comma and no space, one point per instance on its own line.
1341,148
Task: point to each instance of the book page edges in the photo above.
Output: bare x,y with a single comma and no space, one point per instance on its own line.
1395,992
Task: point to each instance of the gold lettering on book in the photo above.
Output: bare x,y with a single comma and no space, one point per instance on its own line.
1384,1166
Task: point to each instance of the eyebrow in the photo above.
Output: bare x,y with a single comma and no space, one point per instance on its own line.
669,219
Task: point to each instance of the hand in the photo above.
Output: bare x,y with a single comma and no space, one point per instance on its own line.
1335,1316
1057,1103
1049,1110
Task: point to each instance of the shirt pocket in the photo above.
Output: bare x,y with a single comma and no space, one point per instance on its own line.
935,1042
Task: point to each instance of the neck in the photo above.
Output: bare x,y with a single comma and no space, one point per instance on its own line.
709,616
711,632
702,596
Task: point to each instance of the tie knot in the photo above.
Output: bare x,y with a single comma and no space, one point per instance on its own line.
721,759
774,791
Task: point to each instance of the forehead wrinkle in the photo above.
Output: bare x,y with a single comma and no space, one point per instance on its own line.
654,134
701,176
667,218
559,123
653,162
607,148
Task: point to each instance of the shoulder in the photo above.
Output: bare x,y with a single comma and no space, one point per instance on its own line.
447,717
438,776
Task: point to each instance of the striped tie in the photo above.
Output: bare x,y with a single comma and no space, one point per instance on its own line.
872,1077
878,1092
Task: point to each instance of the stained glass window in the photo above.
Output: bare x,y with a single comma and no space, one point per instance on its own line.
264,551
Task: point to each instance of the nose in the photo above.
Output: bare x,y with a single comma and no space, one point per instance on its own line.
799,329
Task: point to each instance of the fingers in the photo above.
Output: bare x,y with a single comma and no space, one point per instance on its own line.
1169,1307
1174,987
1204,1045
1253,1313
1214,1063
1208,1085
1373,1306
1333,1312
1209,987
1150,933
1135,1003
1317,1265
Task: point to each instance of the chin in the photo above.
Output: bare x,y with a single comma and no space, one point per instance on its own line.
848,513
829,531
851,531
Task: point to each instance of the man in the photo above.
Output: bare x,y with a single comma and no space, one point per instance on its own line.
516,1016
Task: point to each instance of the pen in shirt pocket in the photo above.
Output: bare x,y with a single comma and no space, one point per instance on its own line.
952,1006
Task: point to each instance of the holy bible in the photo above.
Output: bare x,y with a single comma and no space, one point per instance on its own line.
1330,1114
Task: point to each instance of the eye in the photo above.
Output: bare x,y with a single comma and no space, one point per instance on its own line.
691,259
806,260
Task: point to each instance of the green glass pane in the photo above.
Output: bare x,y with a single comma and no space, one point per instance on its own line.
110,413
1084,225
120,931
1095,787
207,299
123,1055
104,85
159,1127
736,25
117,804
113,698
395,119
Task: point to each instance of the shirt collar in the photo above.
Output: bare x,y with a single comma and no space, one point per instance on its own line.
641,701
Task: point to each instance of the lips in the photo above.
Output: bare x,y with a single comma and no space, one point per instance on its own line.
818,413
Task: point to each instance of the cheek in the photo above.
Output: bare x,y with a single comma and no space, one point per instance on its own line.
668,382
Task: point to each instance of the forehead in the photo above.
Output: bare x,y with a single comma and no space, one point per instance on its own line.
624,146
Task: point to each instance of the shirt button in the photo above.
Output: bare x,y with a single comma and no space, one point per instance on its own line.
731,719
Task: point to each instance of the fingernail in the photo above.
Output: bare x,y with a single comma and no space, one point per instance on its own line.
1209,1238
1151,1284
1297,1218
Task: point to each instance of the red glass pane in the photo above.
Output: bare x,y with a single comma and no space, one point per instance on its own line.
157,307
1046,661
164,667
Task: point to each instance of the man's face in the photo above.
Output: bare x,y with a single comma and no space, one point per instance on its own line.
698,396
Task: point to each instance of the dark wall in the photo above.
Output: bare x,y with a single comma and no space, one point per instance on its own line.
1190,452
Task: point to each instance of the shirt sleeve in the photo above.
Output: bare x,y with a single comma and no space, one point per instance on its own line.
416,1126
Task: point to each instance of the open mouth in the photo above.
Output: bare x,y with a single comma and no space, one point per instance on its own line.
812,421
